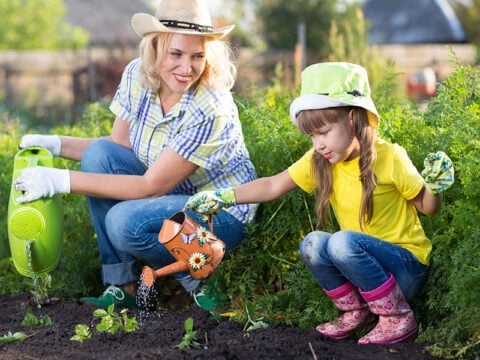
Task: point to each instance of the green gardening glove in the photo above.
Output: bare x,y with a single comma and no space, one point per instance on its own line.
438,172
207,203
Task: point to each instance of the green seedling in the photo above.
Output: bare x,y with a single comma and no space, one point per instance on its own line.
190,337
112,322
82,332
31,320
253,323
15,337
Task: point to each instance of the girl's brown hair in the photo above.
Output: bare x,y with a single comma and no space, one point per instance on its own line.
309,122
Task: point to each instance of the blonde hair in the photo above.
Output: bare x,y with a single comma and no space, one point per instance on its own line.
309,121
220,70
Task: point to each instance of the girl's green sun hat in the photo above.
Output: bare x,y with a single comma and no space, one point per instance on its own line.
334,84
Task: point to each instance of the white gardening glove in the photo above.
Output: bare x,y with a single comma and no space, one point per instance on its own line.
39,182
50,142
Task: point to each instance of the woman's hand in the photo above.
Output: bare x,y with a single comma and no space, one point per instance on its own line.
39,182
50,142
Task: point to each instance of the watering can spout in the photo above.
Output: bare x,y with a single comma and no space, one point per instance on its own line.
197,250
149,275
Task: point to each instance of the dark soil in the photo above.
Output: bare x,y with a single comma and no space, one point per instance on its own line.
160,333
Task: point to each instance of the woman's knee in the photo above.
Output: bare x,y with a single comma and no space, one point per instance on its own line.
93,155
116,224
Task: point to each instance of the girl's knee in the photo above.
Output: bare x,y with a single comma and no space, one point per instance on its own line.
312,245
341,244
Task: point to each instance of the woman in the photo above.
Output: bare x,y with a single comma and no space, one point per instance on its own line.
176,132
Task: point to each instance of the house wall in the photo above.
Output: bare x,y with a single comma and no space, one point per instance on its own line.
437,56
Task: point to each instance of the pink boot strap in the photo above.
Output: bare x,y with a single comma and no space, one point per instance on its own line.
381,291
339,291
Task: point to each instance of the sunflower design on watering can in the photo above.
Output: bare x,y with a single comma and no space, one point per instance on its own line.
196,249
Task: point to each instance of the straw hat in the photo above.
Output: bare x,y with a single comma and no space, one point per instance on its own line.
334,84
179,16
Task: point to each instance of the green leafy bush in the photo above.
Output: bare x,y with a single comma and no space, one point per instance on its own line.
266,270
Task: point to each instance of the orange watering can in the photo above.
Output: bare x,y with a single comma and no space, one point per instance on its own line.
196,249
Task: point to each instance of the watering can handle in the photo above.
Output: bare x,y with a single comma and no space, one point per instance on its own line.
210,221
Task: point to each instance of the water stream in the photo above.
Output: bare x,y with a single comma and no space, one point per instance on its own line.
38,292
144,294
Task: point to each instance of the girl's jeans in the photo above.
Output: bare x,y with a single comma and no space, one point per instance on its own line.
127,230
363,260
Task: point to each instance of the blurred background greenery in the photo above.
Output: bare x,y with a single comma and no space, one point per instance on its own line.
266,271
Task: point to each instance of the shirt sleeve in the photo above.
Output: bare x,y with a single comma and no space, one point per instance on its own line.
128,93
406,177
302,172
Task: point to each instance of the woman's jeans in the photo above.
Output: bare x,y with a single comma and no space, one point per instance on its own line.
363,260
127,230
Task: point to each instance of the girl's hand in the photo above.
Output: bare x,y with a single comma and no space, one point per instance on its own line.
211,202
438,172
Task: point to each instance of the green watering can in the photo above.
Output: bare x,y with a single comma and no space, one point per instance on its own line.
35,229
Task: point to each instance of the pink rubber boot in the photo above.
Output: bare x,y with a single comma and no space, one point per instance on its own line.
396,322
357,315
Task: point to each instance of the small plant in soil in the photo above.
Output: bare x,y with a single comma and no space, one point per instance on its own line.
31,320
82,333
14,337
112,322
252,322
190,337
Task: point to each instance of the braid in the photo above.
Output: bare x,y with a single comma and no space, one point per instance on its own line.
366,137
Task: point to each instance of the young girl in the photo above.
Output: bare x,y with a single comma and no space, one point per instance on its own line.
379,258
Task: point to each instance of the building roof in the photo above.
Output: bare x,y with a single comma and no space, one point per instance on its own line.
107,21
412,22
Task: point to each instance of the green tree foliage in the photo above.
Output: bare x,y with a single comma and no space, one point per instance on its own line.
37,24
469,15
280,20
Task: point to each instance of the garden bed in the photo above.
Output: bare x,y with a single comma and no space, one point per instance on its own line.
160,333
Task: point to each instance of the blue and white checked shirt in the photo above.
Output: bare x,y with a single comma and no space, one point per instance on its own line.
203,127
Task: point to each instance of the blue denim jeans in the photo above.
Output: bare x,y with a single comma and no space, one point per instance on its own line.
127,230
363,260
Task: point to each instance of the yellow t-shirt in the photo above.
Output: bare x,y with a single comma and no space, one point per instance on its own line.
395,218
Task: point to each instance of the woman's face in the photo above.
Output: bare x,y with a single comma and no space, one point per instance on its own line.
336,141
182,64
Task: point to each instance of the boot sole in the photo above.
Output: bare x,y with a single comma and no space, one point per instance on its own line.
404,338
368,321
